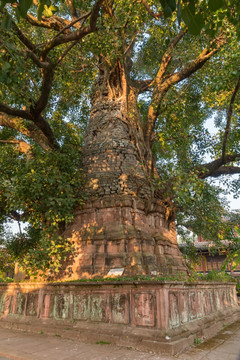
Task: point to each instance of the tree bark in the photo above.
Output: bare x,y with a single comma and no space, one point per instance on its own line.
122,224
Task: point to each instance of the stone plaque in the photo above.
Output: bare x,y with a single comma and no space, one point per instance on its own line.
115,272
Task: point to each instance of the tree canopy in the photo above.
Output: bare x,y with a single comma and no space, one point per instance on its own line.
182,60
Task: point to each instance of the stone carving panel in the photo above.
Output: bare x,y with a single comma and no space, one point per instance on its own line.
120,308
61,306
81,307
144,309
193,305
99,307
174,317
32,304
183,306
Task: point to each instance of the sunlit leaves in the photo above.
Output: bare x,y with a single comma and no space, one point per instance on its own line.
22,7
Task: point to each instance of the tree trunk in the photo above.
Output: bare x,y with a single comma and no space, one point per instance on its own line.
122,224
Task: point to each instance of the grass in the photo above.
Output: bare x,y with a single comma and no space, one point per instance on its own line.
103,342
192,278
197,341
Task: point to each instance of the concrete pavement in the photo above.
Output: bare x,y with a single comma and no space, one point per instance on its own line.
16,345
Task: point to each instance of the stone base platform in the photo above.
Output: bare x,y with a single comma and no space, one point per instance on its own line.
161,317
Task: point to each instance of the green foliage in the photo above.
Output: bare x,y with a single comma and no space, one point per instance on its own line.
195,14
44,187
197,341
233,250
193,277
6,263
217,276
190,254
5,279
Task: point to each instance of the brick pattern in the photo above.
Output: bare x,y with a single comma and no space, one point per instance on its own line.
122,225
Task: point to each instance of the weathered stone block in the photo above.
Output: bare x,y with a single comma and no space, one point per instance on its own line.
133,245
174,316
115,232
61,306
2,301
21,300
183,303
99,307
193,305
32,304
116,261
116,246
127,215
120,308
85,260
144,304
99,247
100,260
148,247
82,306
207,305
140,219
47,306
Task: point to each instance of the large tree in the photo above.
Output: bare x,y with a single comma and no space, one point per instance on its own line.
102,117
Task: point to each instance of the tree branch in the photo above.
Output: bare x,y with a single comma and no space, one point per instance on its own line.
66,52
213,167
38,120
23,38
141,85
73,23
25,128
15,112
36,60
226,170
72,8
47,82
162,83
77,35
149,10
229,118
54,22
153,108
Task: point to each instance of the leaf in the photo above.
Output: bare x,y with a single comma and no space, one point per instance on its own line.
46,2
7,22
168,7
188,13
24,6
172,4
214,5
49,11
195,22
40,11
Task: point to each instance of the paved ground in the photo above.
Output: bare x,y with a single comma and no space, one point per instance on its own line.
17,345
